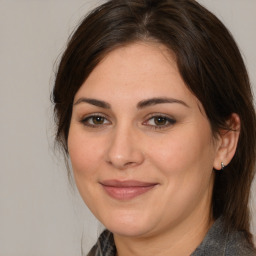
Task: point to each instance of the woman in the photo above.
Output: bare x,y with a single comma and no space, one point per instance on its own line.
154,108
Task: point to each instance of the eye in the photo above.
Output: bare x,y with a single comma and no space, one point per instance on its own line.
95,121
159,121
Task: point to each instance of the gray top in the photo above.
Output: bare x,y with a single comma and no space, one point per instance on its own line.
217,242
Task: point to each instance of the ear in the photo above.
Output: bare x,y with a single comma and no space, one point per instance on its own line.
227,142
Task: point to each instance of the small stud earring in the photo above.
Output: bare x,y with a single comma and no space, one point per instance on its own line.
222,166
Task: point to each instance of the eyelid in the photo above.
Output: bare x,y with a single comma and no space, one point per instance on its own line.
171,121
85,118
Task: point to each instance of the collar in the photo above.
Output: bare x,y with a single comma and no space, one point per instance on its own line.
216,242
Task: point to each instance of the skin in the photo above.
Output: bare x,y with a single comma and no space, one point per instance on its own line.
126,142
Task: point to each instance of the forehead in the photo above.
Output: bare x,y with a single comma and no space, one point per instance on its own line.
141,70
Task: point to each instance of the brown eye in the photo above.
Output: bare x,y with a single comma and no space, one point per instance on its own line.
98,120
160,120
95,121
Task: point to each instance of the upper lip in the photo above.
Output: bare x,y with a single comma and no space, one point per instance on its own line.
127,183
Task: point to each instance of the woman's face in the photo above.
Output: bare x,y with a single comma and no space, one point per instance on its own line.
140,144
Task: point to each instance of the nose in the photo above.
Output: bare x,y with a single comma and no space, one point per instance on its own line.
124,149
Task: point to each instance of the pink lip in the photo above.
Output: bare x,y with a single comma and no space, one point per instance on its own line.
125,190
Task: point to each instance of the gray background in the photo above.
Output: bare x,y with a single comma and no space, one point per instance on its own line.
40,212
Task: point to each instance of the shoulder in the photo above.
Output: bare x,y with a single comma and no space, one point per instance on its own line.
218,242
238,245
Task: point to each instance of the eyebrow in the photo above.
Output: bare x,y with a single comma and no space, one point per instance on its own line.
140,105
155,101
98,103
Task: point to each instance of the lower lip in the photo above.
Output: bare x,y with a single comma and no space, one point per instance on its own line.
126,193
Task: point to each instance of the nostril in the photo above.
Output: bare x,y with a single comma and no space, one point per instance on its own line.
122,165
129,163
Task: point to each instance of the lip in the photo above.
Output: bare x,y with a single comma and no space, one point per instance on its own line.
126,190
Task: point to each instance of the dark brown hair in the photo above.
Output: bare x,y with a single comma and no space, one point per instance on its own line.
209,62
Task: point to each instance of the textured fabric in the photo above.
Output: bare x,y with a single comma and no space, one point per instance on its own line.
105,245
219,243
215,243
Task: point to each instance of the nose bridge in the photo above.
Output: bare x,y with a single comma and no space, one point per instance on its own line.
124,150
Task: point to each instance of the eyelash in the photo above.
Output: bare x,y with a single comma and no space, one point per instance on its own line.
170,121
85,121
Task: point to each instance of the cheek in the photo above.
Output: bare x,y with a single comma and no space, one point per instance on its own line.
85,157
185,163
184,152
83,151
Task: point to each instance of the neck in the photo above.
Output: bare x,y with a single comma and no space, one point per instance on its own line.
181,240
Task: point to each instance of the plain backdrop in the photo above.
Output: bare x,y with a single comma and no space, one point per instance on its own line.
41,214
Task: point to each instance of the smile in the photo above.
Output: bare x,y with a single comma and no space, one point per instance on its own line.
126,190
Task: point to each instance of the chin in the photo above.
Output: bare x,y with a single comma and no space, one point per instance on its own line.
129,226
129,231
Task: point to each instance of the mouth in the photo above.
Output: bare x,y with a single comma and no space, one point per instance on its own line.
126,190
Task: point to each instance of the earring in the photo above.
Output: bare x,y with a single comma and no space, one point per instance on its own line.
222,166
